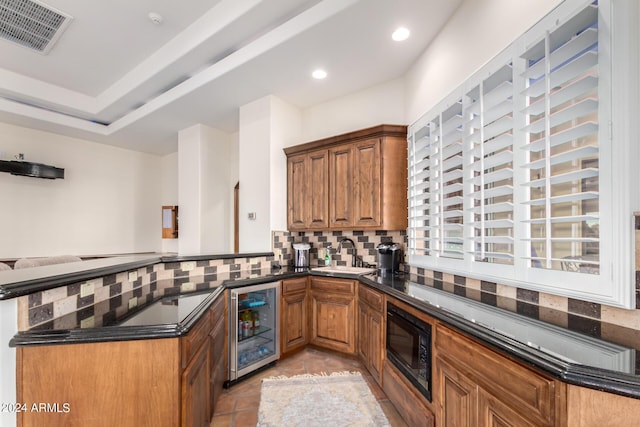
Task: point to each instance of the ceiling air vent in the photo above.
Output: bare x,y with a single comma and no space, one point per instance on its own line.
31,24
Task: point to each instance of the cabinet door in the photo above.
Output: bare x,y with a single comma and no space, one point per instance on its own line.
458,397
293,330
364,345
494,413
196,388
219,350
341,186
297,192
317,190
367,188
376,344
333,321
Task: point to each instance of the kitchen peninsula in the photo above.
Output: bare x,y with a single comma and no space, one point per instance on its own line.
458,322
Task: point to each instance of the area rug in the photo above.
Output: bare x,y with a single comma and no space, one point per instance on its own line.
339,399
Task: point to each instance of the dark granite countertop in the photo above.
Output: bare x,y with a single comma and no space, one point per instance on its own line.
566,355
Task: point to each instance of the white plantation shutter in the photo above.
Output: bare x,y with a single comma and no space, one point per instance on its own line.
489,111
561,137
448,182
419,189
435,185
506,178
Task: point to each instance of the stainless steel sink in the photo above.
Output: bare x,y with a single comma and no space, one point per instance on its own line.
343,269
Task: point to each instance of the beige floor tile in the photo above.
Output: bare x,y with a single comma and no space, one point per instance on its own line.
238,406
245,418
222,420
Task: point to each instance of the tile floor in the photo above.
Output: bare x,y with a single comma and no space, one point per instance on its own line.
238,406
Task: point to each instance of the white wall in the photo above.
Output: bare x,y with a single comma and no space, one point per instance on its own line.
217,190
234,178
8,328
381,104
477,32
255,235
204,188
286,130
169,191
109,201
267,125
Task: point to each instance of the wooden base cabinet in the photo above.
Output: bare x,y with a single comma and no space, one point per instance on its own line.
410,405
156,382
196,388
475,386
333,314
371,330
294,317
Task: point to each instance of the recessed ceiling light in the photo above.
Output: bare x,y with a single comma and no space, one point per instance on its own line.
319,74
400,34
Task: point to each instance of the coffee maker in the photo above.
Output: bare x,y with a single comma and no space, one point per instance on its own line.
389,256
301,255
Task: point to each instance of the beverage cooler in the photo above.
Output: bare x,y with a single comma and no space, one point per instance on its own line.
254,328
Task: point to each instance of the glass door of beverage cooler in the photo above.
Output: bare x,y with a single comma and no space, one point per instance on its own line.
254,335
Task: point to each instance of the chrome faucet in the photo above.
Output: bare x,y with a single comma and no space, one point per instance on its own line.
353,245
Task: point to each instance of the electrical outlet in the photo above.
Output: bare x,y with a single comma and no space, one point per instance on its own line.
89,322
188,266
87,289
188,287
133,276
133,302
252,216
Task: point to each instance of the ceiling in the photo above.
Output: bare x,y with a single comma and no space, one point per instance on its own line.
117,78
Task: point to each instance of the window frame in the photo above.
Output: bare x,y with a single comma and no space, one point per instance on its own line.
618,98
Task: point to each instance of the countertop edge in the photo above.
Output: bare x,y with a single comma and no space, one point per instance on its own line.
26,287
590,377
572,373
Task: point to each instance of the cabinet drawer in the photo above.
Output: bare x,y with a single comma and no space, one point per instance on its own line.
371,297
320,284
291,286
507,380
195,338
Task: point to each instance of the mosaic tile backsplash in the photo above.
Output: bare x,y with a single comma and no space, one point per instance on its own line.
366,243
100,301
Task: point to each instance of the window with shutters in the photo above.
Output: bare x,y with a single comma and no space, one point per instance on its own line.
506,177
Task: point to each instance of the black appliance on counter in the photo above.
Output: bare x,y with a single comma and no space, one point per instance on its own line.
409,347
389,256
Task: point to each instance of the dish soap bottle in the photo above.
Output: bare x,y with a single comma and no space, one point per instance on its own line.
327,256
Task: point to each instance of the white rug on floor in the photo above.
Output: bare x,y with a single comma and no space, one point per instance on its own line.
339,399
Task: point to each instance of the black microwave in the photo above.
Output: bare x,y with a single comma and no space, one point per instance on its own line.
409,347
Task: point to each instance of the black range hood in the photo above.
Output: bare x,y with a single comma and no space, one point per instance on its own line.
36,170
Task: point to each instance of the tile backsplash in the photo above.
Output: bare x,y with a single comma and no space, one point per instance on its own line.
99,301
601,321
366,243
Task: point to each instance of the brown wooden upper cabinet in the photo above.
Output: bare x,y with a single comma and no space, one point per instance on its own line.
352,181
